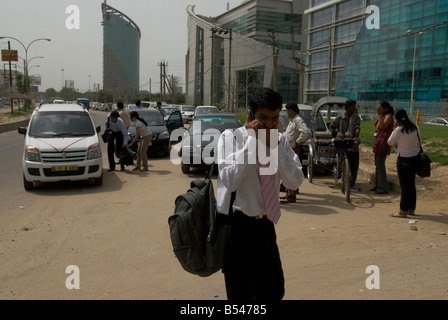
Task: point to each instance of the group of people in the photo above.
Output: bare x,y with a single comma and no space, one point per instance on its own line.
118,122
253,269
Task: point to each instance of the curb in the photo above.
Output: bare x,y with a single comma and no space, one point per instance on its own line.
12,126
394,185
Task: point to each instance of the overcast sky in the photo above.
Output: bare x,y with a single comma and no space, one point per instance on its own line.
163,24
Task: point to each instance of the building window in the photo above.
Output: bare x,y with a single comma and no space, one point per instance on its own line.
321,17
348,32
319,60
350,8
319,38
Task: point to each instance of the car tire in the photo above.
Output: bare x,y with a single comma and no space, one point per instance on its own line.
185,169
98,181
28,185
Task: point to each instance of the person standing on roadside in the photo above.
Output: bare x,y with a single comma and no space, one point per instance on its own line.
349,126
383,129
406,138
141,131
159,107
253,269
296,133
123,114
118,138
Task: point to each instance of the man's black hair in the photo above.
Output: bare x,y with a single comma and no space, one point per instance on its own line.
265,97
115,114
349,103
293,106
120,105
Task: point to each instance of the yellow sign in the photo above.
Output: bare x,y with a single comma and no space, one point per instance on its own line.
10,55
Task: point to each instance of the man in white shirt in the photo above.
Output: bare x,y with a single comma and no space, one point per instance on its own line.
297,133
253,268
118,138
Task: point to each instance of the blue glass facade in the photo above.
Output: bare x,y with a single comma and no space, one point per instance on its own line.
381,63
121,53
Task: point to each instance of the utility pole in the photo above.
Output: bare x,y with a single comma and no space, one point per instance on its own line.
10,81
229,104
274,59
213,30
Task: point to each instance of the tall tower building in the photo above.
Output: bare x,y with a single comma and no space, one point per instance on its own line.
121,53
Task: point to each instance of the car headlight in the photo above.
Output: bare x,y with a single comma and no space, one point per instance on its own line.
94,151
32,154
164,135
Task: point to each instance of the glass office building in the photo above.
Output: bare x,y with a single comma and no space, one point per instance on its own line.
255,44
408,53
121,53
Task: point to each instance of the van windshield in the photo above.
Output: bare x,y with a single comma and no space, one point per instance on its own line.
61,124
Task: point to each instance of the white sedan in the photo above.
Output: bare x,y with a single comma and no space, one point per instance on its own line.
438,121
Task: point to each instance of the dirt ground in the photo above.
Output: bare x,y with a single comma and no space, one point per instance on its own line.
120,241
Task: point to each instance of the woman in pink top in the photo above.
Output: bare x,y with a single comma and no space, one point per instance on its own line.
383,129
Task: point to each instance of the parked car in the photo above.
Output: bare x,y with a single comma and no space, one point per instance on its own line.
205,109
198,147
161,130
187,113
84,102
61,143
438,121
168,110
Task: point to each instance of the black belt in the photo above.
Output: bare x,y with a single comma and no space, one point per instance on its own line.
242,214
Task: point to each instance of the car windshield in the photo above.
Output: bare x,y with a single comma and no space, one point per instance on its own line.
189,109
169,110
153,119
61,124
206,110
199,126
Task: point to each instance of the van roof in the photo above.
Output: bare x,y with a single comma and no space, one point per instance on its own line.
60,107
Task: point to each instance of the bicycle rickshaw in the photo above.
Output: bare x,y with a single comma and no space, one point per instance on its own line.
322,153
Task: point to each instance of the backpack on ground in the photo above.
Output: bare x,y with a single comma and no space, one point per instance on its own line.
199,235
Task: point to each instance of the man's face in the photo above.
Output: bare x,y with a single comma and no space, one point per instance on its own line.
114,119
268,118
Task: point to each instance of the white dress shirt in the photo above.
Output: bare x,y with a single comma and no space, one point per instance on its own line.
296,131
238,173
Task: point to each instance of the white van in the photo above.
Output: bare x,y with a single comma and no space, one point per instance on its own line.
61,143
148,104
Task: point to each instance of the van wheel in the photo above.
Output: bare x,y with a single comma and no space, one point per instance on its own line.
28,185
185,169
99,181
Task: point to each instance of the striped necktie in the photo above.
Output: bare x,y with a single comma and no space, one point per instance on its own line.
270,194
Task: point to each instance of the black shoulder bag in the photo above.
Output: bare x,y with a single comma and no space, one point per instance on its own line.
424,162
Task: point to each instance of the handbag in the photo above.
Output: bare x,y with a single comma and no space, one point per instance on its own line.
424,162
108,132
106,135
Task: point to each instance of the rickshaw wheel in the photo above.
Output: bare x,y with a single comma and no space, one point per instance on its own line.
310,169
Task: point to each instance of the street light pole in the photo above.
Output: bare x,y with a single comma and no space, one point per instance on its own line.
413,68
26,57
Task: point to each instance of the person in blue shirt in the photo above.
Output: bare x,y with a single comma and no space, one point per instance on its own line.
118,138
138,104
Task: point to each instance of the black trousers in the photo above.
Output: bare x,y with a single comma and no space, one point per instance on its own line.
406,170
114,146
253,269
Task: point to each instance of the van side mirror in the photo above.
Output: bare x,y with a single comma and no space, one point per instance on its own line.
98,129
21,130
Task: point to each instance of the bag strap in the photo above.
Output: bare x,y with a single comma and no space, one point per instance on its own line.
420,142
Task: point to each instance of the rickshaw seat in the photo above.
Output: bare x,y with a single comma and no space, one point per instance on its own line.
323,135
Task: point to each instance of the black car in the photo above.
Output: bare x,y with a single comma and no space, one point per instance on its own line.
160,129
198,147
